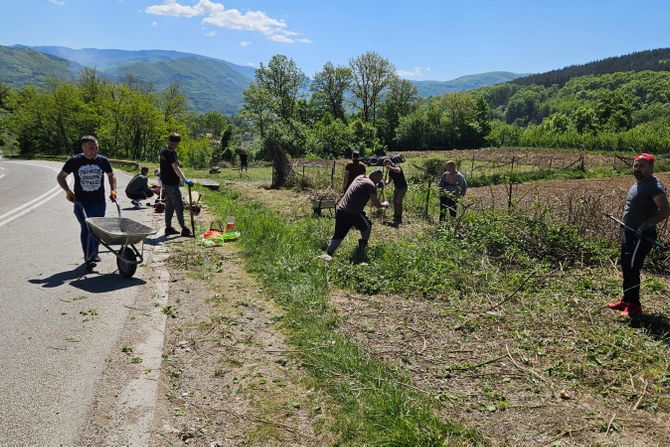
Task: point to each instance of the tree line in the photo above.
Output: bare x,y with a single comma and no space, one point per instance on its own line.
363,105
616,110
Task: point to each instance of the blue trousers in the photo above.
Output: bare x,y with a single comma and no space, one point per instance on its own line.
93,209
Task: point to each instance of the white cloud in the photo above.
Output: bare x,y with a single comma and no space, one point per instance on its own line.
210,33
281,38
250,64
416,72
57,2
245,43
215,14
154,24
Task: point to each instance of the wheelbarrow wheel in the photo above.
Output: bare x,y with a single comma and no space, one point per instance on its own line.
127,263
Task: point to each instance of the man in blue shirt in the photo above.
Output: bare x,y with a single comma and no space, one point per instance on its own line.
646,205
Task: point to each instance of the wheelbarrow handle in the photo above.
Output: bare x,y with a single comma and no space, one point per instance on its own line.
81,207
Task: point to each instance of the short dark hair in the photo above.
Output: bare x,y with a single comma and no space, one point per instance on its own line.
144,170
174,137
88,139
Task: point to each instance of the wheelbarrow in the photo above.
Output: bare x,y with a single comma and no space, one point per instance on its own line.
121,231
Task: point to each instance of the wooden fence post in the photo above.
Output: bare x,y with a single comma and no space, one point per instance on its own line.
509,195
302,181
332,177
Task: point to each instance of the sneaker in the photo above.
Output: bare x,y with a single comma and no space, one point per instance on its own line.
325,257
619,305
632,309
95,258
185,232
136,203
170,230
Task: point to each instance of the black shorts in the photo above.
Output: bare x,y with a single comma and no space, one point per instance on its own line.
344,221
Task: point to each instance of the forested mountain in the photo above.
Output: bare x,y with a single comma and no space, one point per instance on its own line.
435,88
103,59
22,66
209,84
653,60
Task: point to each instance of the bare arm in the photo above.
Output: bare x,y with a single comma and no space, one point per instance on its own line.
112,181
178,171
663,211
375,201
60,178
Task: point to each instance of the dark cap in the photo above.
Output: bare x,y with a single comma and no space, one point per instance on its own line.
88,139
174,137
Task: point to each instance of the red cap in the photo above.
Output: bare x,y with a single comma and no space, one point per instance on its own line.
645,156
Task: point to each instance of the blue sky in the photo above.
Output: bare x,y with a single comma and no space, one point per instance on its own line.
424,39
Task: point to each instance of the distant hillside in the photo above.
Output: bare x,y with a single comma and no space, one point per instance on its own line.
209,84
104,59
469,82
22,66
653,60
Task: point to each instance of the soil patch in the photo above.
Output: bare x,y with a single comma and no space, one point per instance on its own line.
228,377
485,380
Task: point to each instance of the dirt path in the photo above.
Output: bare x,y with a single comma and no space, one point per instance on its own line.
228,377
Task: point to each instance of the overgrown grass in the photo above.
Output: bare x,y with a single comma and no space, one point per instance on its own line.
379,405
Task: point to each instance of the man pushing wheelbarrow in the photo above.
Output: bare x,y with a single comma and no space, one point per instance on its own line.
89,169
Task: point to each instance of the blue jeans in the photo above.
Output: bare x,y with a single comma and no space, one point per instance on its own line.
93,209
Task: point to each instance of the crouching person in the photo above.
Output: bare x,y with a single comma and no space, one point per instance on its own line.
350,211
138,188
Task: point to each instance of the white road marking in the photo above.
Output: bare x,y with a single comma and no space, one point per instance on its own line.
36,202
1,176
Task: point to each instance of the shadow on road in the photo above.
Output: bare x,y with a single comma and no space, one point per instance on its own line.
92,284
106,283
61,278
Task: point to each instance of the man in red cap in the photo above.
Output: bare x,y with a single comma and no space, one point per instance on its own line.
646,205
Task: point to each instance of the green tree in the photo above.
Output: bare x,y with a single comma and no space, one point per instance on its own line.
283,80
330,138
401,99
258,108
172,103
328,88
371,74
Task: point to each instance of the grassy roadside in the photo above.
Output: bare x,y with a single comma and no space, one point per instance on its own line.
447,308
379,405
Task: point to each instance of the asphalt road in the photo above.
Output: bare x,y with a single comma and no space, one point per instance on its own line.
57,323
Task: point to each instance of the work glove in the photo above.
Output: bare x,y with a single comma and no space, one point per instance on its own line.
112,196
381,184
189,182
69,195
643,228
385,204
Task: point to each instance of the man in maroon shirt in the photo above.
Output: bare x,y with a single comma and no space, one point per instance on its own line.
350,211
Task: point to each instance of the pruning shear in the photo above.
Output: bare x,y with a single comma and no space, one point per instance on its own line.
657,242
